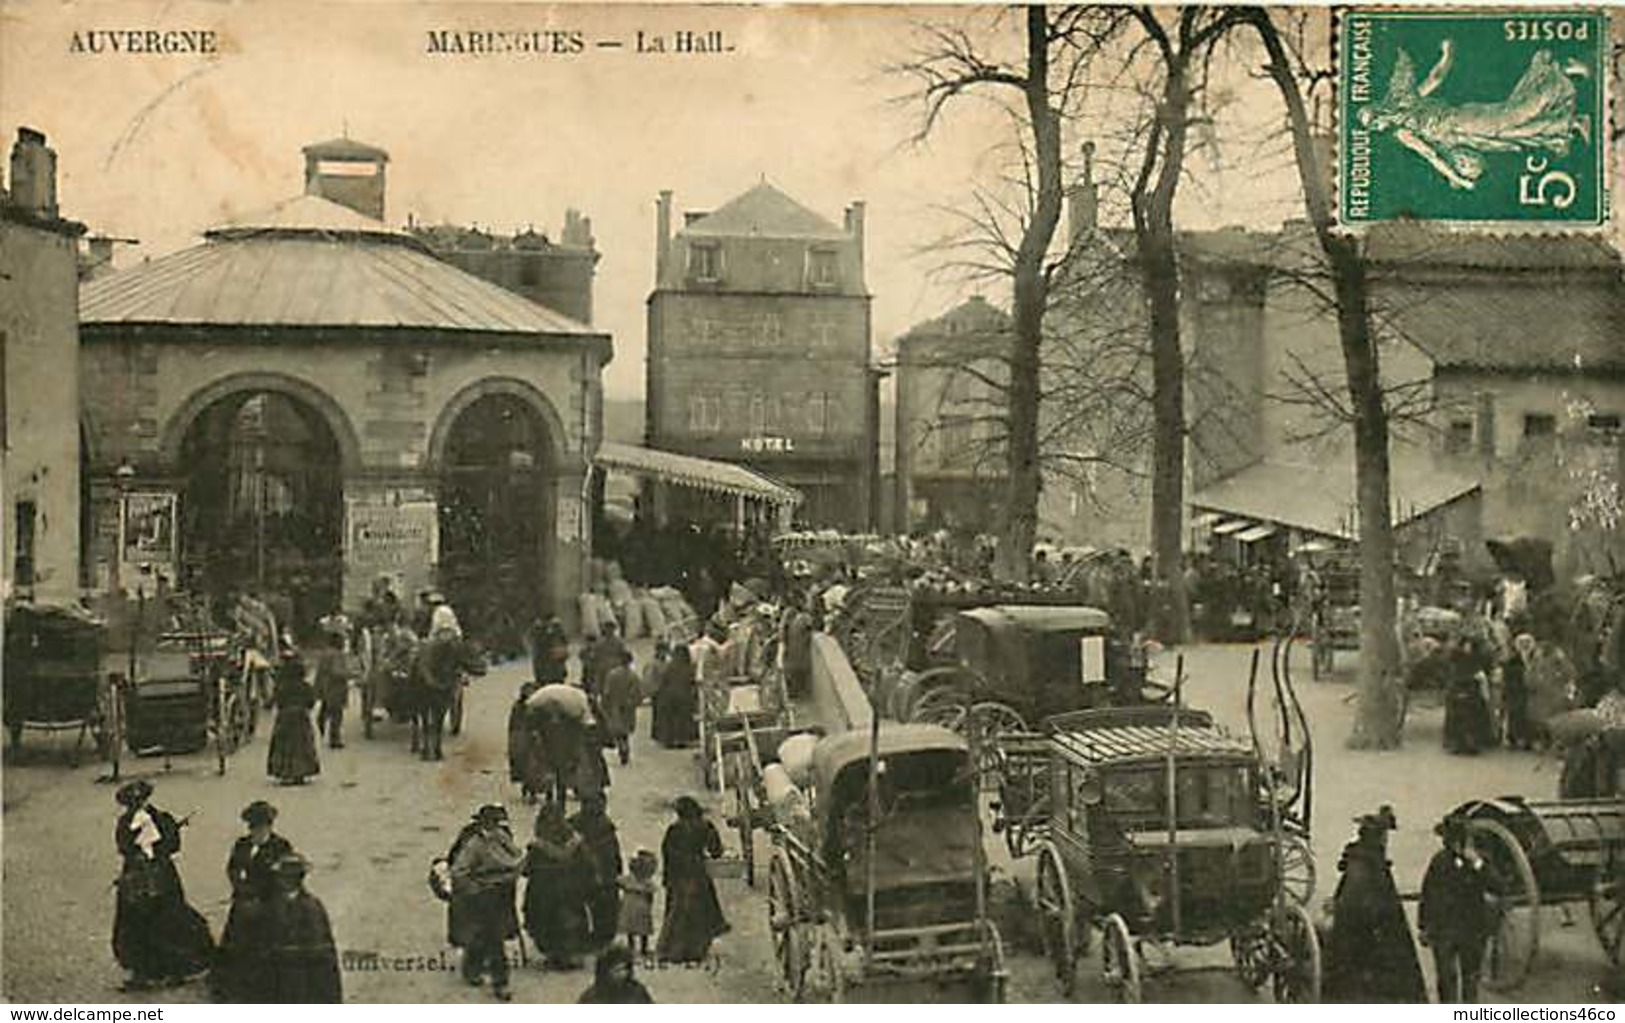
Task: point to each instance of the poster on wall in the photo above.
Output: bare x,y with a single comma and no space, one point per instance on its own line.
397,539
149,530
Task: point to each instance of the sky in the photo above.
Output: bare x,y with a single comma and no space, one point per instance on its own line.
160,147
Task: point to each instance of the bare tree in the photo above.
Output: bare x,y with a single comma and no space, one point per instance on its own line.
1037,88
1377,724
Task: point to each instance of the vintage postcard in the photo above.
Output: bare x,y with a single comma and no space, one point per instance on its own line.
521,502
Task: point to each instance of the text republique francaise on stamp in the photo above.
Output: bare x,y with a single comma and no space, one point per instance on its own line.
1464,116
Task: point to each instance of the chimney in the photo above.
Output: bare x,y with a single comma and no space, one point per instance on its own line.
33,174
349,173
854,227
662,235
1083,200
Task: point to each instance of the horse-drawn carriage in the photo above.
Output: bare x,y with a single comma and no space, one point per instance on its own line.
884,888
1545,853
54,680
1163,831
1023,663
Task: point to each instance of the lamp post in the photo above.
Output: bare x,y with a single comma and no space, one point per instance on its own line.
123,477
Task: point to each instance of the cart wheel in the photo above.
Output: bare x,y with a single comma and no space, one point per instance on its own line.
1296,970
742,823
943,705
1517,937
1298,870
784,924
1120,965
1249,950
1608,911
985,723
1057,918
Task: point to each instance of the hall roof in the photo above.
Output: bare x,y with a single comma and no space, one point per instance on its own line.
308,262
765,212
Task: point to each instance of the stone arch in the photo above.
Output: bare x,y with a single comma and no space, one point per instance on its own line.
488,387
331,412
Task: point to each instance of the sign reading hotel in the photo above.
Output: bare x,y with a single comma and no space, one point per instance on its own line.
1473,117
767,445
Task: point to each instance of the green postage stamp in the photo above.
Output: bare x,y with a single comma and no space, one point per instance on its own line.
1468,116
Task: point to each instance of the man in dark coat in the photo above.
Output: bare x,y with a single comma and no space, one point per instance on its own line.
1456,917
619,694
603,656
302,957
484,881
1370,956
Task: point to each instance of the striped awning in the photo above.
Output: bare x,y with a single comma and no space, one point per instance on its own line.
1255,534
697,473
1232,526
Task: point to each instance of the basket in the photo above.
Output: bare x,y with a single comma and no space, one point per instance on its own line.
728,867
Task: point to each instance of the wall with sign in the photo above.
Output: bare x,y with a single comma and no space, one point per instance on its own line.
396,537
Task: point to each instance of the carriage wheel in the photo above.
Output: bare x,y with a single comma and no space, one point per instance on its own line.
1298,870
1608,911
1057,918
784,924
1295,974
943,706
1517,936
1119,963
985,723
1249,950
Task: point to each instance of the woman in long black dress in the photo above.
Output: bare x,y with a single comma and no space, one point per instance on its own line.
676,701
239,973
302,958
1370,955
160,939
693,915
557,886
292,757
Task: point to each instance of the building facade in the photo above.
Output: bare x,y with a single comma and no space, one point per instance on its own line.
558,275
39,381
759,327
309,400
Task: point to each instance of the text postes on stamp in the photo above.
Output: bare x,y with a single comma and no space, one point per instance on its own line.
1473,117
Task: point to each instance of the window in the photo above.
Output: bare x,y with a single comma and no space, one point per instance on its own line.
818,413
822,269
23,561
1458,438
704,413
1603,425
704,262
1539,426
758,415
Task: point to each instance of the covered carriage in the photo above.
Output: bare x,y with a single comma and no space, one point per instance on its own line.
884,888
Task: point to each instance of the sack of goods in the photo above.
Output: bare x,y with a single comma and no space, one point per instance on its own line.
440,879
796,754
561,699
633,622
653,616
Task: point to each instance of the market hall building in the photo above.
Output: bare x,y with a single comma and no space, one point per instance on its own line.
310,399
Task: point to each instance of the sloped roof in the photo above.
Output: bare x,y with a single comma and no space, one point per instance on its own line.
308,262
1320,498
765,212
345,149
1560,325
699,473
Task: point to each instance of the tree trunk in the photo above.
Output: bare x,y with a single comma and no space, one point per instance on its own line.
1159,276
1378,723
1030,300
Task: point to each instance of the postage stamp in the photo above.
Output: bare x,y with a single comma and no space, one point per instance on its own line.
1467,116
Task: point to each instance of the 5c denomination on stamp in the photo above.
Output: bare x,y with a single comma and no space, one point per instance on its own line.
1473,117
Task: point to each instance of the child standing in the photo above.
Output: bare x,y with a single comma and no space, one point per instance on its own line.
638,901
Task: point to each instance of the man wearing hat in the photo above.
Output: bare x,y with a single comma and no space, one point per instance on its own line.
1370,956
333,671
303,958
1455,916
239,971
484,881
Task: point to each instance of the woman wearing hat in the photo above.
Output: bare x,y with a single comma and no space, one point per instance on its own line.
239,971
613,982
558,882
292,756
302,958
1370,956
693,914
1455,916
160,939
484,879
